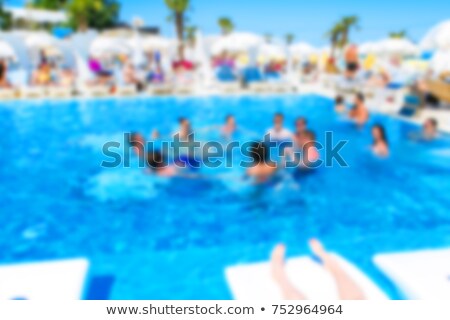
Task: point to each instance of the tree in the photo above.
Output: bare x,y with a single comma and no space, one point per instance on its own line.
335,35
398,35
190,33
178,9
49,4
97,14
5,18
226,25
289,38
348,23
268,37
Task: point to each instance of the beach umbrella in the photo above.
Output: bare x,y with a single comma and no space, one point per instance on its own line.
440,62
103,46
394,46
301,50
6,51
438,38
40,41
271,51
156,43
236,42
367,48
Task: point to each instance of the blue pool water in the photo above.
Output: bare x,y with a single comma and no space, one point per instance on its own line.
172,239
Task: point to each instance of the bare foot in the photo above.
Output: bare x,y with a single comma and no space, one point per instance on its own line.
277,263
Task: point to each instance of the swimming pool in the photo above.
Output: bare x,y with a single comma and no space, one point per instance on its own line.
173,239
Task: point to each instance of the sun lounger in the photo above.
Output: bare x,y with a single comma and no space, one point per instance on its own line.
58,280
440,89
7,93
229,87
419,274
60,92
255,282
160,89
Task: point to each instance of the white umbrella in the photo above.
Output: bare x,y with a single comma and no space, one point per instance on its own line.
394,46
156,43
40,41
108,46
6,51
271,51
440,62
301,50
368,48
236,42
438,38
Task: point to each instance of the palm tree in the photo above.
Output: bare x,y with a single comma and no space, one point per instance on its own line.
398,35
190,34
348,23
79,11
226,25
335,35
289,38
178,8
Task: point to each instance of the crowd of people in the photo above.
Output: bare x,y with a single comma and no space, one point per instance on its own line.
298,147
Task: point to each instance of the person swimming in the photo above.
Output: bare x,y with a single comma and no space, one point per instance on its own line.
137,142
429,129
261,169
339,104
278,133
309,153
301,126
229,128
380,146
359,113
157,164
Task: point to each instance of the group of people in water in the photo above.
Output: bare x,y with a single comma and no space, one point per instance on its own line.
360,115
298,147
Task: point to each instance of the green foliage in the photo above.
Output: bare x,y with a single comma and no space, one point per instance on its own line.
226,25
189,33
98,14
339,33
289,38
49,4
398,35
178,6
5,18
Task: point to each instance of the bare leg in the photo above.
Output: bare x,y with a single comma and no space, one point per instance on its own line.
279,274
347,288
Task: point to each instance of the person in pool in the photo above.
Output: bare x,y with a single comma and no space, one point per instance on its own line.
380,146
359,113
429,129
310,154
158,165
347,288
339,104
229,128
185,132
278,133
301,126
137,143
261,169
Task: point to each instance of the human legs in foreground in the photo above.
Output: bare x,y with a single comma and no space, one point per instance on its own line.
347,288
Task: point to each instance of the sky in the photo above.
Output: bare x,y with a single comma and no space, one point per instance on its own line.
307,20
